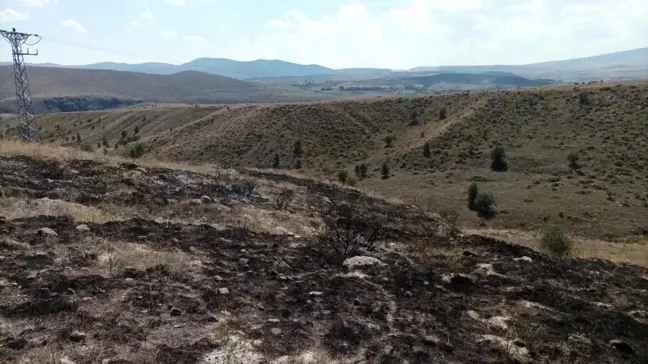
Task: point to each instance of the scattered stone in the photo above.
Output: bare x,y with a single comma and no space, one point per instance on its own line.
524,259
206,199
244,261
275,331
176,312
315,293
362,261
212,318
83,228
77,336
622,346
226,313
274,320
195,201
45,231
223,291
486,269
499,322
579,339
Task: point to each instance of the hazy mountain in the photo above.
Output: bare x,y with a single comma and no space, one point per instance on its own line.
629,64
626,64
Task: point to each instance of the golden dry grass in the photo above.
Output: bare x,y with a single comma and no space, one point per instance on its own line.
15,208
620,252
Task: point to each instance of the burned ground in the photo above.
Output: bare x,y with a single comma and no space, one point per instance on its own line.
121,263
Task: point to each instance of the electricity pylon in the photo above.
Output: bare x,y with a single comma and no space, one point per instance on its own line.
27,125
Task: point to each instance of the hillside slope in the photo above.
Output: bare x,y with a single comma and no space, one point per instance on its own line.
185,87
231,271
605,126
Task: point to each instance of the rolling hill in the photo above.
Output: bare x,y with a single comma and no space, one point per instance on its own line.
65,89
539,128
630,64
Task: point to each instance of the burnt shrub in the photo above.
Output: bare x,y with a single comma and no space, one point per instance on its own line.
347,233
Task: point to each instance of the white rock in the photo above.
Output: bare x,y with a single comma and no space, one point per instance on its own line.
486,269
524,259
47,232
66,360
223,291
83,228
362,261
315,293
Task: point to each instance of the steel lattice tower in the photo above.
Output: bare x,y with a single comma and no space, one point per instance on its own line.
27,125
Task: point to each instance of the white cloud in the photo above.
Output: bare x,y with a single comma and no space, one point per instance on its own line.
11,15
145,19
74,26
190,3
37,3
433,32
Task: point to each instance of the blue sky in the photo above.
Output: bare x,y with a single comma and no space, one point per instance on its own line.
334,33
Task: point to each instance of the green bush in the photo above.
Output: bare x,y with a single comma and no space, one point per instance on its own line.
556,241
498,159
137,151
485,204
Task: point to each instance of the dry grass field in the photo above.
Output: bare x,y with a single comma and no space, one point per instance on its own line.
106,260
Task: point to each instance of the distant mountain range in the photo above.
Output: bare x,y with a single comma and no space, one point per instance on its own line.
627,64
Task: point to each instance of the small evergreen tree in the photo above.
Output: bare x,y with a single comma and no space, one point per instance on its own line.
297,150
342,176
389,142
443,113
384,171
136,129
104,141
426,150
361,171
473,191
275,162
124,133
573,158
498,159
78,137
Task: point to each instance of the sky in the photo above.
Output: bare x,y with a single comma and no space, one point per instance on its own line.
396,34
